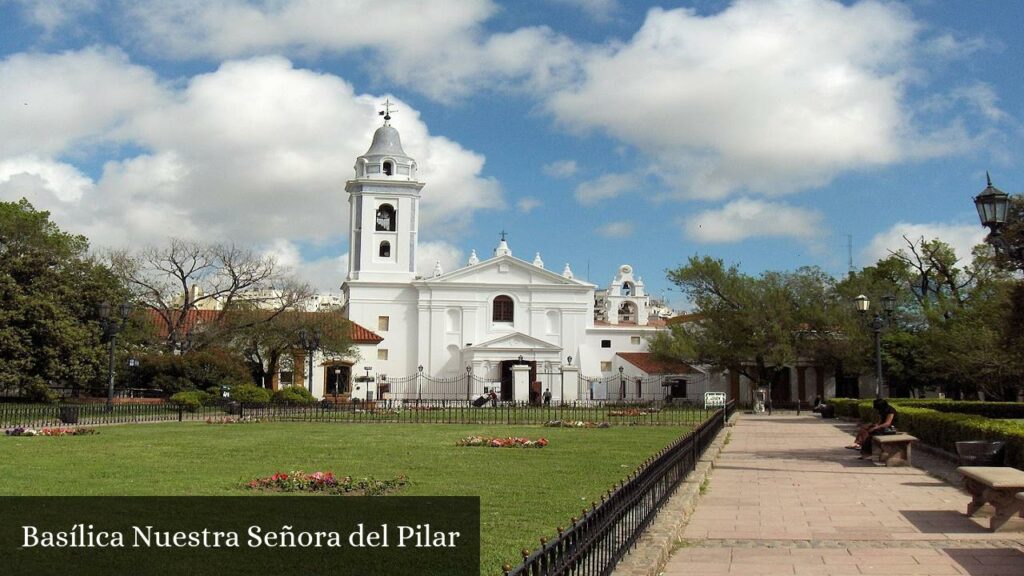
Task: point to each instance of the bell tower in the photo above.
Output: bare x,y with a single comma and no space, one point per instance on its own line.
384,202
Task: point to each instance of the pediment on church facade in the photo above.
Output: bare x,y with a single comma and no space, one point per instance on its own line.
516,341
505,270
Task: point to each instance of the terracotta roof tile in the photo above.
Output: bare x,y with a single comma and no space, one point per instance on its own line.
651,365
359,334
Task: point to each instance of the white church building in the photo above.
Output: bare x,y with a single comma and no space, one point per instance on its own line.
501,322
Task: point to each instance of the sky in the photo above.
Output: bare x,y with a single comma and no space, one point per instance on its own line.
771,134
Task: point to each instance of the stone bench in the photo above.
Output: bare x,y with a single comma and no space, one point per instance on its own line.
892,449
996,485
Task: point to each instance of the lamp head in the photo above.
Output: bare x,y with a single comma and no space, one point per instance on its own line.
861,303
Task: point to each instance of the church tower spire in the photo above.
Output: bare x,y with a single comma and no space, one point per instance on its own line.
384,201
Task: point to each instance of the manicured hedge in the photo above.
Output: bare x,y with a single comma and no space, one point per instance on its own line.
943,429
989,409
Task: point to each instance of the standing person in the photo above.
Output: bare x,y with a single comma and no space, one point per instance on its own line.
494,398
886,417
547,397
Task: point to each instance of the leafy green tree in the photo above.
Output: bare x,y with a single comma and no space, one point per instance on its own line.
757,326
266,339
50,291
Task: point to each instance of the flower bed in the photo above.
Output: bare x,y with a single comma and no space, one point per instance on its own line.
25,431
634,412
576,424
327,483
509,442
233,420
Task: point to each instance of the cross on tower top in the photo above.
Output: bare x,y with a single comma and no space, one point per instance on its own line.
503,235
386,112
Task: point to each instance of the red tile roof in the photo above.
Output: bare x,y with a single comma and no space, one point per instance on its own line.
359,334
684,318
651,365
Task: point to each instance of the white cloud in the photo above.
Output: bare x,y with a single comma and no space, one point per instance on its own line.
437,46
962,237
29,176
769,96
560,168
50,102
605,187
749,218
429,253
253,152
528,204
615,230
53,14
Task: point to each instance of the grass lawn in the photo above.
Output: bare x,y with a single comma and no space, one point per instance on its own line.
525,493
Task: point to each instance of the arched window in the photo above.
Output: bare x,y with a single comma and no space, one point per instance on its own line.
627,312
386,218
627,288
388,168
385,249
503,309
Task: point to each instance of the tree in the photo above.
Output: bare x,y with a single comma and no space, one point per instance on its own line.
175,280
50,291
948,330
266,339
757,326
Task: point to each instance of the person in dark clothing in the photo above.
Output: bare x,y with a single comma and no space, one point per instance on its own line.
886,417
547,397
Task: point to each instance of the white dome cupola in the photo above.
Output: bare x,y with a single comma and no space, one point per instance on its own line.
385,159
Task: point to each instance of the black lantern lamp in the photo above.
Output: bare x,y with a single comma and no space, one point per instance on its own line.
993,204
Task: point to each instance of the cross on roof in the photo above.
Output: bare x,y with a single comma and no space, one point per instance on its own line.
503,235
386,112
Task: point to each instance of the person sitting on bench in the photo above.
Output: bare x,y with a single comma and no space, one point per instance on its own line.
886,416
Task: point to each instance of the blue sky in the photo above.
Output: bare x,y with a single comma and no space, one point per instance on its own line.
596,132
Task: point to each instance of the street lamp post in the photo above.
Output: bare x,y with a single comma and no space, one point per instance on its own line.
111,328
469,382
419,383
367,368
337,382
876,324
993,207
622,384
310,342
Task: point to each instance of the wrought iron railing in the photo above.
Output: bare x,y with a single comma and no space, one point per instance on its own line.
597,539
424,411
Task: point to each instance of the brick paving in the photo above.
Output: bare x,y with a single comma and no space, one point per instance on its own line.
785,497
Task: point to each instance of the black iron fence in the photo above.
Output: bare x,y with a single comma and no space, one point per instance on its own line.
597,539
424,411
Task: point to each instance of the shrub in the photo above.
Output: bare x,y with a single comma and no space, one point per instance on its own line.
190,400
38,392
294,395
171,384
989,409
200,369
249,394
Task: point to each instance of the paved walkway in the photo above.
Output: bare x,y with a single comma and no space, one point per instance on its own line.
785,497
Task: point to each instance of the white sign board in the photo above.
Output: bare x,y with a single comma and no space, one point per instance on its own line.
714,399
